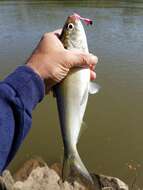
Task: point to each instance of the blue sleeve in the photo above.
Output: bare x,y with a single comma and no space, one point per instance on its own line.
20,92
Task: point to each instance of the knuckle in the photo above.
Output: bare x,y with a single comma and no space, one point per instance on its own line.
67,60
84,59
93,59
55,75
46,35
96,59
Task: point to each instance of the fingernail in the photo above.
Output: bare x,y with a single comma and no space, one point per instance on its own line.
94,59
92,75
92,67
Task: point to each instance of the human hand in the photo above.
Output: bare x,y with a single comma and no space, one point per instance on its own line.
52,61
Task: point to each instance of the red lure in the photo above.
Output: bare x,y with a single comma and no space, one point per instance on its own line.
86,20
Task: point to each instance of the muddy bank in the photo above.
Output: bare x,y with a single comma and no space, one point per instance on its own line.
37,175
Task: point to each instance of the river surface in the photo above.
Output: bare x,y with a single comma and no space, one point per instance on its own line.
112,143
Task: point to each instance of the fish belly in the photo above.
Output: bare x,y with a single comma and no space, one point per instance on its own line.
72,96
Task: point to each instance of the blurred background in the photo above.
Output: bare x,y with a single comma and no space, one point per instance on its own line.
113,141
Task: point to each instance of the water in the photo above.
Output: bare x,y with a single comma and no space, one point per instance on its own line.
113,141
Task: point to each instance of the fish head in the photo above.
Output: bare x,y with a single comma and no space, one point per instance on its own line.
73,34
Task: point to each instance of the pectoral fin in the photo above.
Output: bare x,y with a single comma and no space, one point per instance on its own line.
93,88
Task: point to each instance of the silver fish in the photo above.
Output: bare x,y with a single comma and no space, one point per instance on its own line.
72,95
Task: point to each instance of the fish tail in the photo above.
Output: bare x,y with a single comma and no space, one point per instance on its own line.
73,166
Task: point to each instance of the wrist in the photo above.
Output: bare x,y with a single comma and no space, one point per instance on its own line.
49,83
35,70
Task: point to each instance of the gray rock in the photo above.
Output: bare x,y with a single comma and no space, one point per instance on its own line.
110,183
23,173
40,178
8,179
45,178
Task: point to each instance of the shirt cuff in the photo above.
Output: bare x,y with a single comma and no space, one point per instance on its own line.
28,85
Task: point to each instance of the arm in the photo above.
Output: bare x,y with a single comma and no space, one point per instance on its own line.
19,94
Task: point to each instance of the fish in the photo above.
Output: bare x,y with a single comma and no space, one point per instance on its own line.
72,96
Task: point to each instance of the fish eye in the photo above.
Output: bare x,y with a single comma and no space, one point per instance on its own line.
70,26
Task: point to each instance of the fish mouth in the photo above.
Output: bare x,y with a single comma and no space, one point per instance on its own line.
76,17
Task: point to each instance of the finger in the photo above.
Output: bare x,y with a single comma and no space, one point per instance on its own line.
94,59
89,60
92,67
52,42
52,35
77,58
92,75
58,32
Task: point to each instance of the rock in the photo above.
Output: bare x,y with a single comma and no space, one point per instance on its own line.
40,178
2,184
110,183
34,177
65,185
58,168
78,186
8,179
18,185
23,173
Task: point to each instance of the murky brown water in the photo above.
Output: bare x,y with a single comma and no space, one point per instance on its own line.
113,141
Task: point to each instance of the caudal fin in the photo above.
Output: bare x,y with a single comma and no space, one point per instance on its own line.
73,166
